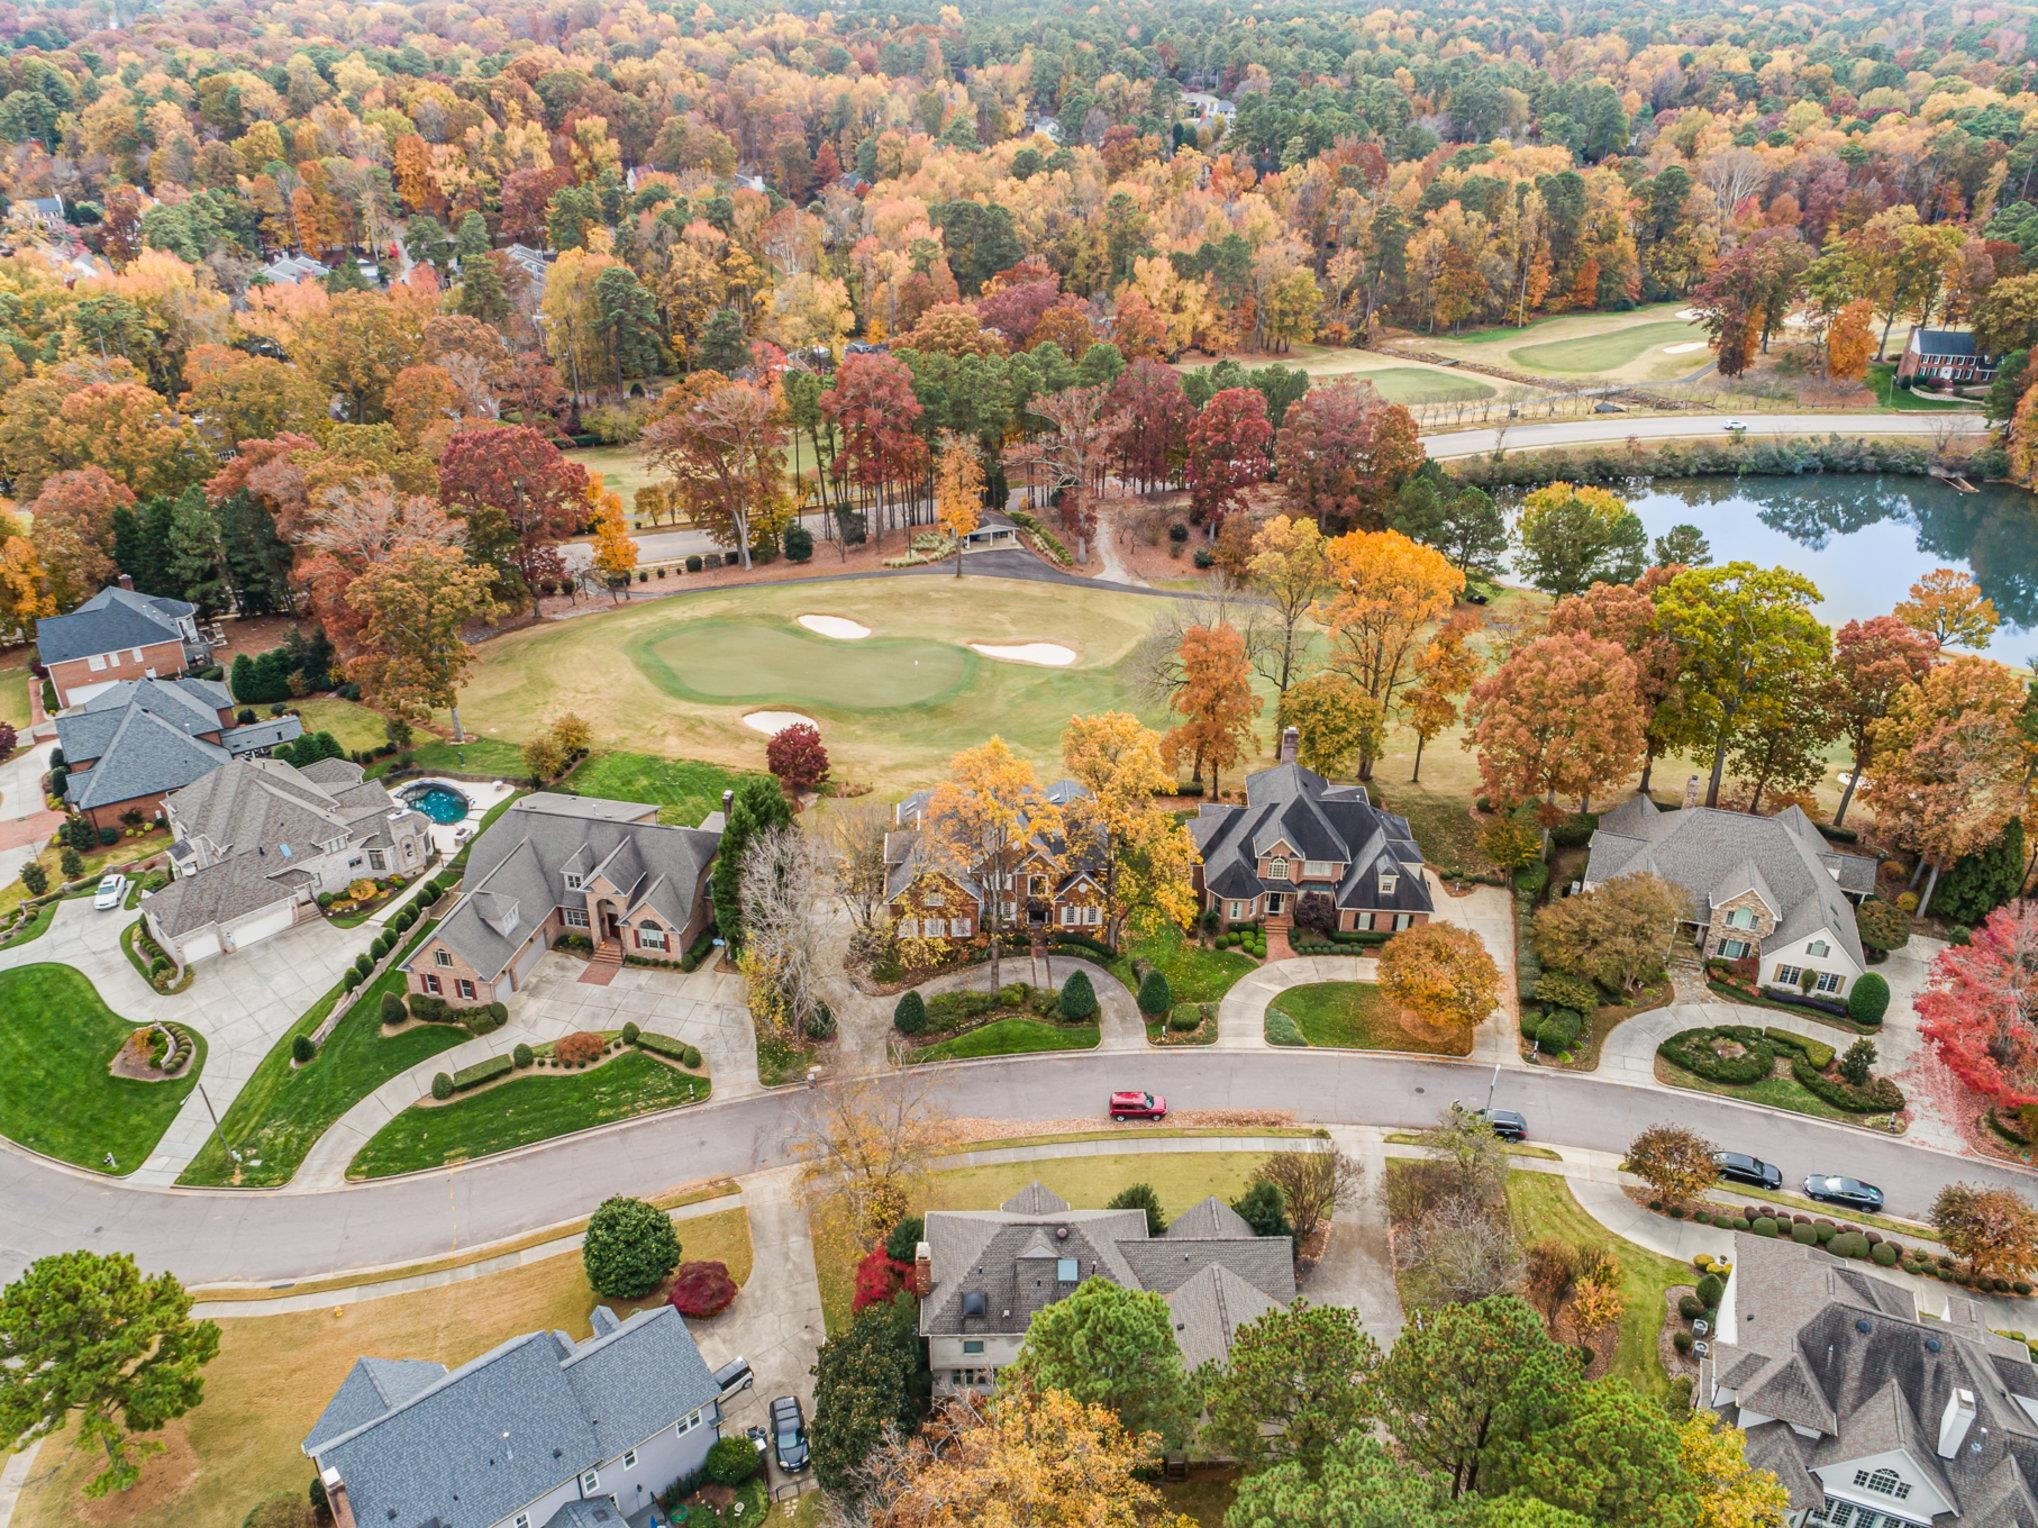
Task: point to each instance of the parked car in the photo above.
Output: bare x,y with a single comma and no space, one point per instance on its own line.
1138,1106
734,1377
1739,1167
1506,1123
1851,1192
789,1433
112,891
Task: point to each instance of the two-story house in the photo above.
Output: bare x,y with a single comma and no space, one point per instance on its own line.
1872,1413
1767,888
137,740
1048,882
1298,834
541,1432
118,634
1946,357
982,1274
257,842
556,865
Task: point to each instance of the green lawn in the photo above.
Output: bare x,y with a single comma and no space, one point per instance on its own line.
767,663
684,790
1353,1015
1774,1092
34,928
1195,974
284,1109
1589,354
532,1107
1882,380
353,726
476,756
1544,1207
1420,384
1009,1037
14,707
57,1038
1443,824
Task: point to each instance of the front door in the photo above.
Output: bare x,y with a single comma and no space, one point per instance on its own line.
1275,902
609,927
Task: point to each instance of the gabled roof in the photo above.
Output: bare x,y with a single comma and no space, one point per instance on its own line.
469,1447
145,754
908,855
1317,820
1714,854
113,619
522,860
146,736
1953,342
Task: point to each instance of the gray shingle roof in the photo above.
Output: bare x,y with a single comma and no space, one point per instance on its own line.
1216,1273
145,754
1318,821
908,855
149,735
112,619
516,870
1947,342
1707,850
221,892
439,1454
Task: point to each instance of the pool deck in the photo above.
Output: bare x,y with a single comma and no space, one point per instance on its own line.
481,796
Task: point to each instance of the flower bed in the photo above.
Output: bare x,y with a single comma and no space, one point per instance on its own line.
152,961
1721,979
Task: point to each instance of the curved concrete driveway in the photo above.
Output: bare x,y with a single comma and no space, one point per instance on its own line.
224,1235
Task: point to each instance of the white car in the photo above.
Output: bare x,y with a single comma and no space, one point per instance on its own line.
1736,427
112,891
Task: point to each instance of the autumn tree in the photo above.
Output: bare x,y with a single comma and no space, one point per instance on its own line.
1949,763
1617,933
1149,858
1227,452
870,1143
1385,592
1979,1008
1850,340
981,821
615,550
1677,1163
1873,661
519,498
413,604
1442,974
724,448
1344,451
71,529
1993,1230
958,488
1215,701
1949,607
1444,670
1748,646
1288,568
1156,414
873,408
1336,723
1574,536
796,757
1557,719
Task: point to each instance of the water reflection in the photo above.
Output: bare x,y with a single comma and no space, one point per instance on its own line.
1863,540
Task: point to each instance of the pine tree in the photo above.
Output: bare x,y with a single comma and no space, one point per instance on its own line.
759,805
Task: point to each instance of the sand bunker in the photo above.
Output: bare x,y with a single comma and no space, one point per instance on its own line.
1046,654
841,628
1689,315
1686,348
771,723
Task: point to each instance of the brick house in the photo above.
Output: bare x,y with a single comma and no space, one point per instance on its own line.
554,866
1047,885
1299,834
118,634
1946,357
135,741
1767,888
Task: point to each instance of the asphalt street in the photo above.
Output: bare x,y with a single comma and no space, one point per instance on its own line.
274,1236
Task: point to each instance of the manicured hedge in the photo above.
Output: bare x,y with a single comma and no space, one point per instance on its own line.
669,1048
482,1071
1692,1050
1880,1096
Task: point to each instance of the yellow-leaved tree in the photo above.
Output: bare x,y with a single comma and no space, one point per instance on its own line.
1442,974
1149,858
615,554
1386,591
958,488
987,816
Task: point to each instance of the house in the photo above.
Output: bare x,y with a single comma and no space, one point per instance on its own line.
556,865
532,263
137,740
540,1431
1209,108
1298,835
118,634
257,842
1770,888
1045,886
1872,1413
288,270
45,212
981,1275
1945,356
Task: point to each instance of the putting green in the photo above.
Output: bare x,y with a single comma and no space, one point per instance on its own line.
1590,353
720,661
1420,384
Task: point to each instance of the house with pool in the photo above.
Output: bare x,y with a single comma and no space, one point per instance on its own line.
554,867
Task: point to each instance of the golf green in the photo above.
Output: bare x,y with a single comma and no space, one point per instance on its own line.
1590,353
720,661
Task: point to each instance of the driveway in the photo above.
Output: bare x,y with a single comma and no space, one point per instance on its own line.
26,824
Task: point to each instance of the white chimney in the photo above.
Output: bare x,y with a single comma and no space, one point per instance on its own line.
1291,744
1959,1416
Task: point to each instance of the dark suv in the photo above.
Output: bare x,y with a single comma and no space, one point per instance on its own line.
789,1434
1739,1167
1507,1124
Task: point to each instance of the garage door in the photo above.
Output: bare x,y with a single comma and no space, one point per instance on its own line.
259,925
199,947
520,968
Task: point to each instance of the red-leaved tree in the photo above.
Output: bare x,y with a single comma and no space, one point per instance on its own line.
701,1289
1228,451
1979,1009
519,497
1344,451
796,756
878,1278
873,406
1872,661
1155,430
1558,720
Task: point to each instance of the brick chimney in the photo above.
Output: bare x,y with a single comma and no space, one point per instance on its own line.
923,1270
1291,744
126,582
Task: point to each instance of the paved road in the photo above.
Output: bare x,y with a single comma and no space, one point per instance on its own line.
1612,429
211,1236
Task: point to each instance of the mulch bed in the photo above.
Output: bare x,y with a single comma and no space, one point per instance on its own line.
1674,1363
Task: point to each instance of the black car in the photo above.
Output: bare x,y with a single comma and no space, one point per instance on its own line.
1507,1124
1739,1167
1851,1192
789,1433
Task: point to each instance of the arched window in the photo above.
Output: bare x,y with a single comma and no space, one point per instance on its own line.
1277,868
1818,948
1883,1482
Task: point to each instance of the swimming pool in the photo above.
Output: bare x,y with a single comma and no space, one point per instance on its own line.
438,801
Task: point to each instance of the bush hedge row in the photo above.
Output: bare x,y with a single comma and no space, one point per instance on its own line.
669,1048
483,1071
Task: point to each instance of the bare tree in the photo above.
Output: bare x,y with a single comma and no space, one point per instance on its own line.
784,928
1156,663
1462,1250
868,1142
1315,1185
856,837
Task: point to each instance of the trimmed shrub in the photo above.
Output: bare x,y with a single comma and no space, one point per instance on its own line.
1155,996
392,1008
1848,1244
1879,1096
1078,998
1804,1236
1869,1000
628,1248
701,1289
1560,989
1710,1288
442,1086
522,1056
1187,1018
1763,1226
1690,1307
909,1014
1884,1254
734,1459
631,1033
1681,1340
301,1049
364,964
1557,1030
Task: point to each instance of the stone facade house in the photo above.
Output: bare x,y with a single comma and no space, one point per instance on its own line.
1872,1411
118,634
541,1432
1297,834
1770,888
554,866
1048,885
982,1274
257,842
135,741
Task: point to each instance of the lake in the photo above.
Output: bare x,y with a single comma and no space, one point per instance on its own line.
1864,540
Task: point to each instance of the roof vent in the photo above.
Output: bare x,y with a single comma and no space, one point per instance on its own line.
1061,1233
1931,1344
1863,1327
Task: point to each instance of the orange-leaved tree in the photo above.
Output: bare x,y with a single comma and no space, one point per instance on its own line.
1149,857
958,488
1385,593
1559,718
1443,975
1215,701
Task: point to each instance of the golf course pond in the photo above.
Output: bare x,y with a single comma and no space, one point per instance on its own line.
1864,540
